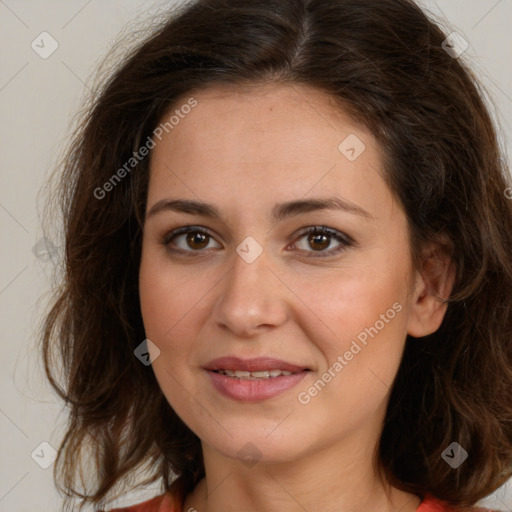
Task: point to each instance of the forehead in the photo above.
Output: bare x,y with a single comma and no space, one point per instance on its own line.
284,116
277,142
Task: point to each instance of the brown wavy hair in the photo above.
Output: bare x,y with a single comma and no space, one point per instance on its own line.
385,63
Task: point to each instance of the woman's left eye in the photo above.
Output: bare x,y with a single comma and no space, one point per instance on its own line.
321,237
198,238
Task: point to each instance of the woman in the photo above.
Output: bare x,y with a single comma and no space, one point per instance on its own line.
288,276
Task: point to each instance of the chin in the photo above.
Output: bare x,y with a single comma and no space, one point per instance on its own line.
257,446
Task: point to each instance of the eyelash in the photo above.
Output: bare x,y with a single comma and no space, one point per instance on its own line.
344,240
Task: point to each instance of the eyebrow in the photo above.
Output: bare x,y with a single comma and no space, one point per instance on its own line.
279,211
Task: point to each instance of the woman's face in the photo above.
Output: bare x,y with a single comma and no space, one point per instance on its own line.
261,292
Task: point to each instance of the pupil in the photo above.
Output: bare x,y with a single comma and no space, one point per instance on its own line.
196,237
316,237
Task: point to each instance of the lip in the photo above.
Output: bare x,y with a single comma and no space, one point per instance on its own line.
253,390
256,364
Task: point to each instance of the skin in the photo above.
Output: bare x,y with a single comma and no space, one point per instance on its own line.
245,151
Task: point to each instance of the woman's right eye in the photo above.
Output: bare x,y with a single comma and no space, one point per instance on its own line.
188,240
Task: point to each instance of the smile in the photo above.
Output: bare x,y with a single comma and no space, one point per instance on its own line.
266,374
253,380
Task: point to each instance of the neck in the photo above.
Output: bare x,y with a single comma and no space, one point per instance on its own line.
323,480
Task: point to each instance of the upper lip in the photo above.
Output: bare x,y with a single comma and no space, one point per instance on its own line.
256,364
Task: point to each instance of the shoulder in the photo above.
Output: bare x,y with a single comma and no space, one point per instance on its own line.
164,503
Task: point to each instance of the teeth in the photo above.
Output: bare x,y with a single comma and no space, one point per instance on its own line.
241,374
266,374
260,375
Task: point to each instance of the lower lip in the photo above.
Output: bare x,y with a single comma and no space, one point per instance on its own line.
254,390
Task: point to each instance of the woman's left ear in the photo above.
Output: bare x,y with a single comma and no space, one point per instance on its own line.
433,285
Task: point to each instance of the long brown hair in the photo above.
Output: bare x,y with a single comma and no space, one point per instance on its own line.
386,64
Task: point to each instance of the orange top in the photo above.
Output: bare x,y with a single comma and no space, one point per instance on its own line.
162,503
174,503
431,504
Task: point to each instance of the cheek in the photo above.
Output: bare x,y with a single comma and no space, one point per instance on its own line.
168,306
356,299
172,300
365,311
366,317
167,295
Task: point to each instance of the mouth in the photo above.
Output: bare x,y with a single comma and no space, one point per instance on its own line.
254,380
255,368
245,375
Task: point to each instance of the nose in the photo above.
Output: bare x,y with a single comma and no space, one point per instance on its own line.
251,298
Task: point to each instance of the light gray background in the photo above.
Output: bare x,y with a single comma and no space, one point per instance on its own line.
38,99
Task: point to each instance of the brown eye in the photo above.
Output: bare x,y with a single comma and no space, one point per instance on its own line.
319,242
197,240
319,238
188,240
